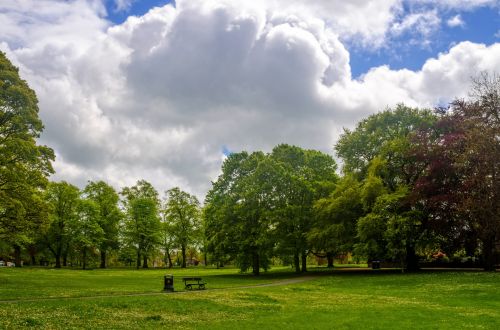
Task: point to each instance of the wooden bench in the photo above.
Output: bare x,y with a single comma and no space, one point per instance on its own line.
189,282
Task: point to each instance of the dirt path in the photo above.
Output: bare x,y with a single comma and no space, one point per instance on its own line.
276,283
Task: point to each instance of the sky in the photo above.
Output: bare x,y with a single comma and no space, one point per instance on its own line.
164,91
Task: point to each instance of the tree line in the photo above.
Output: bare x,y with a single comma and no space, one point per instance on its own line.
413,182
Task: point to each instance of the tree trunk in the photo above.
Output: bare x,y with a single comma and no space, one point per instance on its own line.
170,264
411,259
296,262
489,253
65,259
17,255
33,260
103,259
58,260
138,259
84,257
145,262
183,248
304,262
255,263
329,257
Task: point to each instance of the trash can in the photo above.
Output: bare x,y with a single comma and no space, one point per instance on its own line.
168,285
375,264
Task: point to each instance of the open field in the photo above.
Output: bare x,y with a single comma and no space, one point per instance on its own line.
48,298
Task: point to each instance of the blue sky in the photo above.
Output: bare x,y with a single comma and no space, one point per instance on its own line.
481,25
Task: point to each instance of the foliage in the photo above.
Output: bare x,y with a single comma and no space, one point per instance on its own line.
142,222
460,188
63,199
182,218
24,165
108,216
299,178
334,229
382,134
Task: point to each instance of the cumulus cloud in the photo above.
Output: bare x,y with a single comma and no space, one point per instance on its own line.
162,97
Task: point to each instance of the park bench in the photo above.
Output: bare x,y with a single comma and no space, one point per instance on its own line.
189,282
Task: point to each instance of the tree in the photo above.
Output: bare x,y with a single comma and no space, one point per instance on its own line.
377,153
384,134
24,165
460,189
236,217
335,218
108,216
182,212
142,222
87,232
63,199
299,178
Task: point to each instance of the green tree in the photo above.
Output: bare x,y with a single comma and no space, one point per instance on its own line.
63,199
334,229
386,135
236,214
142,221
24,165
108,215
87,233
182,211
299,178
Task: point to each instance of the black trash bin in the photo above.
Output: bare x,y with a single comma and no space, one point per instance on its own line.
375,264
168,283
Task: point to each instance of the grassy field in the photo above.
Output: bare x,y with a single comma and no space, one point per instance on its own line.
98,299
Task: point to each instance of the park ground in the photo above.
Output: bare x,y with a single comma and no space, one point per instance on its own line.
345,298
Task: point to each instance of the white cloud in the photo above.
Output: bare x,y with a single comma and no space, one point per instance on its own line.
423,23
159,96
123,5
455,21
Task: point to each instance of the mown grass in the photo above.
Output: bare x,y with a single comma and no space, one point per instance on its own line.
339,299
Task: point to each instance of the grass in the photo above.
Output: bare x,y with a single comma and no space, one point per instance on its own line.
338,299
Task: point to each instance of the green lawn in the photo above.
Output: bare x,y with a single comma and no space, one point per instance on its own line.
338,299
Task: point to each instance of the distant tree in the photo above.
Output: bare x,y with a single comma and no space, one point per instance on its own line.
182,212
142,221
24,165
63,199
108,216
87,233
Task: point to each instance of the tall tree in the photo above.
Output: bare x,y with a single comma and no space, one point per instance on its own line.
87,233
381,143
182,211
24,165
108,216
63,199
461,187
303,177
236,221
142,221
